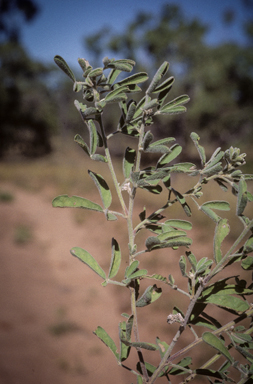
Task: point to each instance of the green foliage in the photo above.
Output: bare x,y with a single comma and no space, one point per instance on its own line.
27,107
203,289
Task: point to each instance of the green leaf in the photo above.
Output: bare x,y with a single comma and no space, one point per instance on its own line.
79,140
130,111
247,264
115,259
111,97
96,72
114,73
98,157
221,231
124,349
64,201
175,150
195,138
192,259
132,268
86,258
148,137
140,105
242,197
229,302
182,265
216,343
166,84
208,207
150,104
64,67
158,76
122,65
94,138
175,106
103,188
151,294
148,346
134,79
171,234
154,243
179,224
107,340
137,274
162,346
89,112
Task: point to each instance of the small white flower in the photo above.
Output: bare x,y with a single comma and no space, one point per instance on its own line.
175,318
126,187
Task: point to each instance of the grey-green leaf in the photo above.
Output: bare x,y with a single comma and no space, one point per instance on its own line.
247,264
221,231
229,302
134,79
115,259
79,140
64,201
89,260
175,150
195,138
179,224
94,138
103,188
242,197
128,161
158,76
107,340
151,294
64,67
216,343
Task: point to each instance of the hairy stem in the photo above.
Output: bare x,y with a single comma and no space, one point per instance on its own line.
111,168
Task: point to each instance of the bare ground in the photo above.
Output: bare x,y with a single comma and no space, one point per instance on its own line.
51,303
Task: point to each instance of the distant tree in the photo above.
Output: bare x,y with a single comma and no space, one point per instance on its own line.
26,107
12,14
219,78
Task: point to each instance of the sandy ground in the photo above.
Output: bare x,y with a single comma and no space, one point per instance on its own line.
50,302
43,289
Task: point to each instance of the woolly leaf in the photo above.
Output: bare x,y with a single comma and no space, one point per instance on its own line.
151,294
107,340
134,79
115,259
64,201
247,264
158,76
87,259
103,188
64,67
241,197
212,340
230,302
221,231
175,150
195,138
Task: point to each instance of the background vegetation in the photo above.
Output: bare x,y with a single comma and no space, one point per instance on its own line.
218,78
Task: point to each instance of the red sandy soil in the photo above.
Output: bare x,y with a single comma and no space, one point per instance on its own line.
44,289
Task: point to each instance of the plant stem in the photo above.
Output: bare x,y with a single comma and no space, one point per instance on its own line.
111,168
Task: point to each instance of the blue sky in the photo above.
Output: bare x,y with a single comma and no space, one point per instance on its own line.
61,25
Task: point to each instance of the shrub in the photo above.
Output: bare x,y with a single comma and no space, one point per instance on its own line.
209,281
